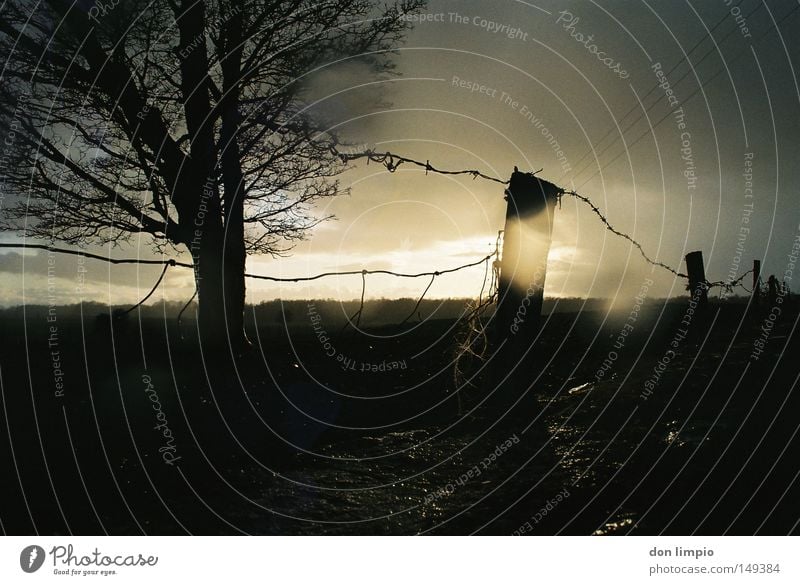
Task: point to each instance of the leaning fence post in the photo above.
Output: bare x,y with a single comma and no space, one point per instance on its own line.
756,281
698,287
523,264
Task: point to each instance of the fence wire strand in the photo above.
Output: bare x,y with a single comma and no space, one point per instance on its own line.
609,227
392,162
419,302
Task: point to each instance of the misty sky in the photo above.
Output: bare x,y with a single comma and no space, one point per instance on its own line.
541,86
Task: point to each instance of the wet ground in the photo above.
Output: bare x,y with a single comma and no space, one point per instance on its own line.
367,433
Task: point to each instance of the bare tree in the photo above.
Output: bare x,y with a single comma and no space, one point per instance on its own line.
187,121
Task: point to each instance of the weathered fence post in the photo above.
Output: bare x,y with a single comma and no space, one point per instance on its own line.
523,265
698,288
756,281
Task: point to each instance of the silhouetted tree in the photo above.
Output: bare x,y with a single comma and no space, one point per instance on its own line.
186,121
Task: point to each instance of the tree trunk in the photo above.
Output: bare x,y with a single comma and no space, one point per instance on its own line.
217,246
220,282
235,253
233,268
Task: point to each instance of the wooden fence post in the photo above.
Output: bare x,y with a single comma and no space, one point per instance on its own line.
698,288
756,279
523,265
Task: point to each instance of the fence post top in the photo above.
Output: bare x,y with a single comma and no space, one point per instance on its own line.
527,193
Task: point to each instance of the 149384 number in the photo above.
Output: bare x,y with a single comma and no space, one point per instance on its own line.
762,568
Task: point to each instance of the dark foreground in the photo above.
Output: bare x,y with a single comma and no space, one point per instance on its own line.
366,433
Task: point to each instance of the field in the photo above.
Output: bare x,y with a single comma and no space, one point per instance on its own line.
131,426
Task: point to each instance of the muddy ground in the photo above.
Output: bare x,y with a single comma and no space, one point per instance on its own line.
144,431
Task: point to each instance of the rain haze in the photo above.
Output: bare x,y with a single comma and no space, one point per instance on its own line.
302,267
678,119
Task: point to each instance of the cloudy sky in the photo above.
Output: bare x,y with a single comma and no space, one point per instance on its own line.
493,85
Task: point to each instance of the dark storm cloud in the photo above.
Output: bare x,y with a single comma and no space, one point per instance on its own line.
12,262
548,85
696,158
41,262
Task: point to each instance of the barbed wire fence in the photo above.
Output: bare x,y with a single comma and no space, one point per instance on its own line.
474,341
355,319
393,161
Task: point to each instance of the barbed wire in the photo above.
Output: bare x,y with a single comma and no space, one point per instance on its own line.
167,263
173,262
152,290
47,248
365,271
729,286
357,314
391,162
419,302
614,231
473,340
183,310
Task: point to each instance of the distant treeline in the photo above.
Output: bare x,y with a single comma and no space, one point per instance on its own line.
334,313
